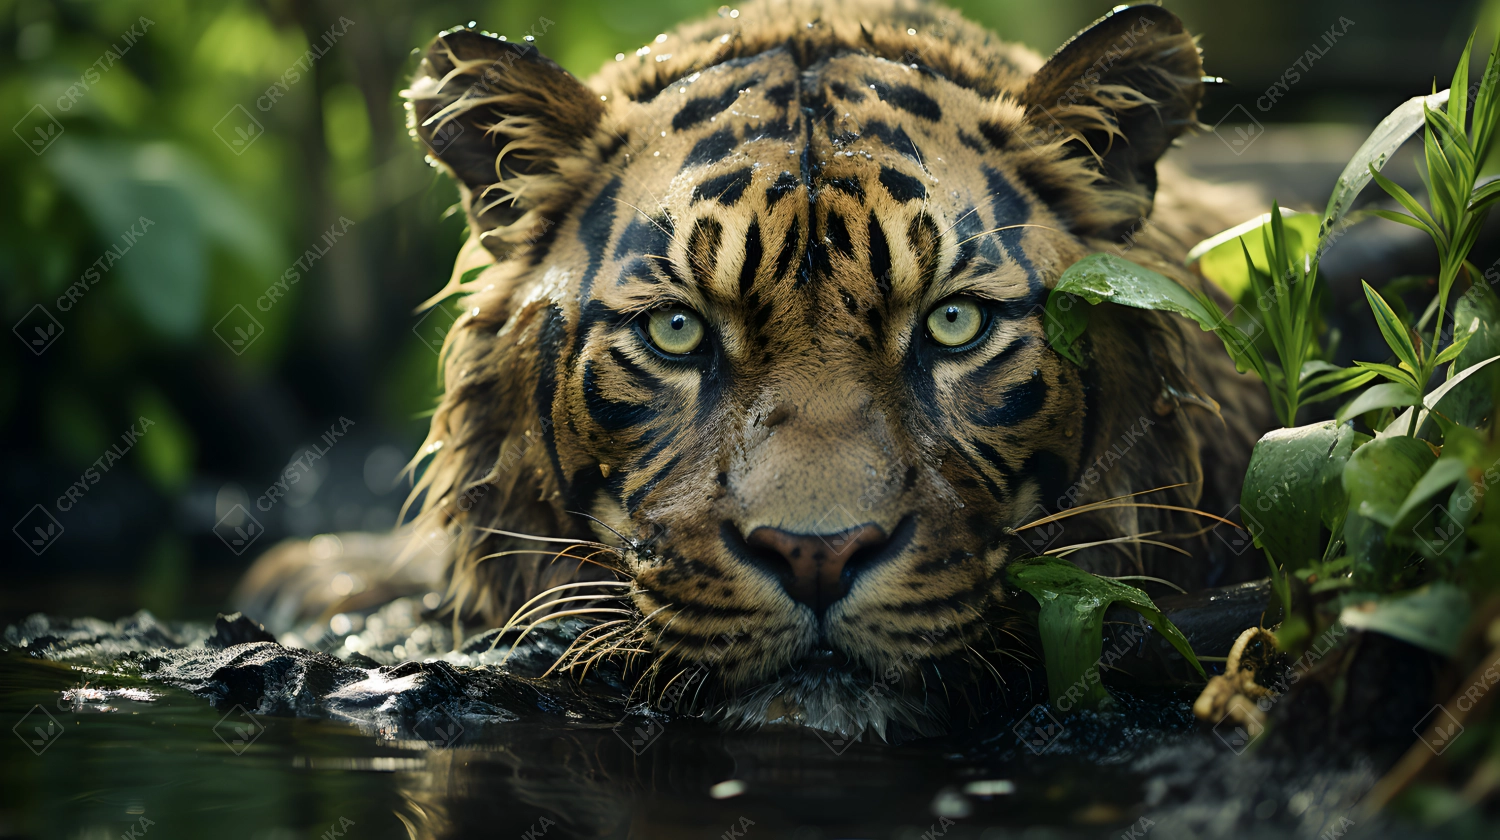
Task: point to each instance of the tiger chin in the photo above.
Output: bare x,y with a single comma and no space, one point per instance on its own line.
753,320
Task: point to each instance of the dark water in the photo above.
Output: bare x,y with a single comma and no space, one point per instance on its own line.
165,763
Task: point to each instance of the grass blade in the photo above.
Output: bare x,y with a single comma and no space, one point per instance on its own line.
1396,334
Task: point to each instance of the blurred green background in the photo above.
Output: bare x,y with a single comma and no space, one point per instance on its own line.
143,116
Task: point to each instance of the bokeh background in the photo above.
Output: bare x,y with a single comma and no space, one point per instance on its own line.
154,128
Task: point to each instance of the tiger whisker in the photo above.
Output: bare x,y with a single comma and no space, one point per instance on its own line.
623,538
564,540
515,616
647,215
1076,511
516,619
556,555
1065,550
1084,508
1007,227
585,635
564,614
1152,579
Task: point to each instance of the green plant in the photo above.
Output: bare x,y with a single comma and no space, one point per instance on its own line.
1391,527
1453,156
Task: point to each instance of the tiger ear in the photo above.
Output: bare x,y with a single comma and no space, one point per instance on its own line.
511,126
1120,92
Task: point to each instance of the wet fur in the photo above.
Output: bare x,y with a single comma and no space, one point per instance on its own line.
916,165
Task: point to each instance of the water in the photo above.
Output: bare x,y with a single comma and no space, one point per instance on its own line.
162,762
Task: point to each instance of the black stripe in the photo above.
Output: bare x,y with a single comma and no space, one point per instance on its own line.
847,186
645,236
726,189
1010,208
634,500
703,250
789,247
880,256
611,415
967,230
997,136
786,182
896,138
638,269
697,110
1008,205
1019,403
979,377
901,186
642,378
781,95
988,453
754,250
712,148
553,333
838,235
971,141
593,231
907,98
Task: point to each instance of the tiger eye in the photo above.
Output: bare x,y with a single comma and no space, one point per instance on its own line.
675,331
955,322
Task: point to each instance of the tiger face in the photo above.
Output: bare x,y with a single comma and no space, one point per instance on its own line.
764,301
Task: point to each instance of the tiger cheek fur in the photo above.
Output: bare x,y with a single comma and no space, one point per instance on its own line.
811,185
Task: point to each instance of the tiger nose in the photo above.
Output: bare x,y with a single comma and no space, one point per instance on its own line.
819,571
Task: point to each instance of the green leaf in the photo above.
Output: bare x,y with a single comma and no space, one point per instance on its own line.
1435,398
1294,481
1071,623
1444,473
1106,278
1458,104
1453,350
1221,260
1390,372
1484,196
1397,336
1402,218
1477,316
1431,618
1384,395
1374,152
1378,478
1339,390
1485,103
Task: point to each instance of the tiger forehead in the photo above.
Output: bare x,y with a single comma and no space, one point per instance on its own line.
759,171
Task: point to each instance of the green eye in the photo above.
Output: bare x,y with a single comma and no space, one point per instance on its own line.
955,322
675,331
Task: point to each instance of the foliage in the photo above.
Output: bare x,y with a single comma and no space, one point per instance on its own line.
1071,623
1384,518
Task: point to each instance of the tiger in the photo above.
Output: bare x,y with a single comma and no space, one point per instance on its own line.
757,316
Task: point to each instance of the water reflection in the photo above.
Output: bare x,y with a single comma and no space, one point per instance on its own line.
122,756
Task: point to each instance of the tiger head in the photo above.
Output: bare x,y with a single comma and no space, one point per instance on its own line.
764,301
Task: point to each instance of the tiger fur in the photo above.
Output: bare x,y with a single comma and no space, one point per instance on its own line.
810,183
